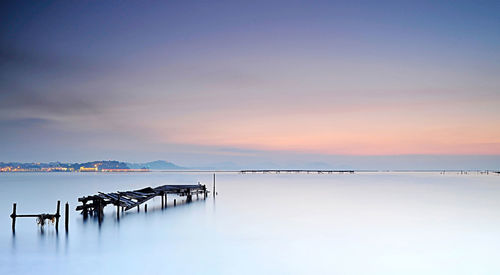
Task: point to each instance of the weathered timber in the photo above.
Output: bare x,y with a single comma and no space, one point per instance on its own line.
58,215
13,216
130,199
66,216
41,217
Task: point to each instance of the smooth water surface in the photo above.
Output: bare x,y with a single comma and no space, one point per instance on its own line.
364,223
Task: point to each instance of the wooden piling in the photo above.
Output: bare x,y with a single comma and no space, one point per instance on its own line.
175,202
58,215
66,217
214,186
138,208
13,216
146,208
162,201
85,210
118,207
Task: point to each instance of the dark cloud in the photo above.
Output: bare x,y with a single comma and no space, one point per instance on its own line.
19,132
46,102
47,83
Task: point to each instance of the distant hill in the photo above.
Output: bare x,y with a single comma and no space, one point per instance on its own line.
156,165
104,164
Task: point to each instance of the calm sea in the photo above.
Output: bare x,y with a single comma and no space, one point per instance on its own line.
364,223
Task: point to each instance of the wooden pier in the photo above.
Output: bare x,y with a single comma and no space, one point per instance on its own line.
129,199
297,171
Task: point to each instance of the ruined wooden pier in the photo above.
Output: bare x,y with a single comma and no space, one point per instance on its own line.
129,199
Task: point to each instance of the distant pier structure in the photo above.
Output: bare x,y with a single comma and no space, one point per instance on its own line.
127,200
297,171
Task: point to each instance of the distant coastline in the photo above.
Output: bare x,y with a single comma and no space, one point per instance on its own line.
113,166
93,166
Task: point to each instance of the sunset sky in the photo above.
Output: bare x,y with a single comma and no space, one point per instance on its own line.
250,82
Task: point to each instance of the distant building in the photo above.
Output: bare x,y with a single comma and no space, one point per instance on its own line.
88,169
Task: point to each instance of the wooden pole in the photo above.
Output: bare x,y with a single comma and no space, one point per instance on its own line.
166,201
189,196
58,215
162,201
146,208
214,185
66,216
100,209
175,202
85,210
138,208
118,207
13,216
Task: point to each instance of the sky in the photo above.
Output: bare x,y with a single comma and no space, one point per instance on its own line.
362,84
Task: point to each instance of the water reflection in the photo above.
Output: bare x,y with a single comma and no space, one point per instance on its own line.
283,224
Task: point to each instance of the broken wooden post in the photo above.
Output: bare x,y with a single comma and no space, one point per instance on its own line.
118,207
58,215
189,196
66,217
214,185
85,210
13,216
100,209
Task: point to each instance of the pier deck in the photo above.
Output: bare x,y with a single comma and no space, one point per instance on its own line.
130,199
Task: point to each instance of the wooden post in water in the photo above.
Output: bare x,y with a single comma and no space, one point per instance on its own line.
97,208
166,202
146,208
100,210
85,210
58,215
118,207
189,196
138,208
13,216
66,217
214,185
162,201
175,202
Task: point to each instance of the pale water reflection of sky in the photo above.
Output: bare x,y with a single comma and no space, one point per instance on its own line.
364,223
